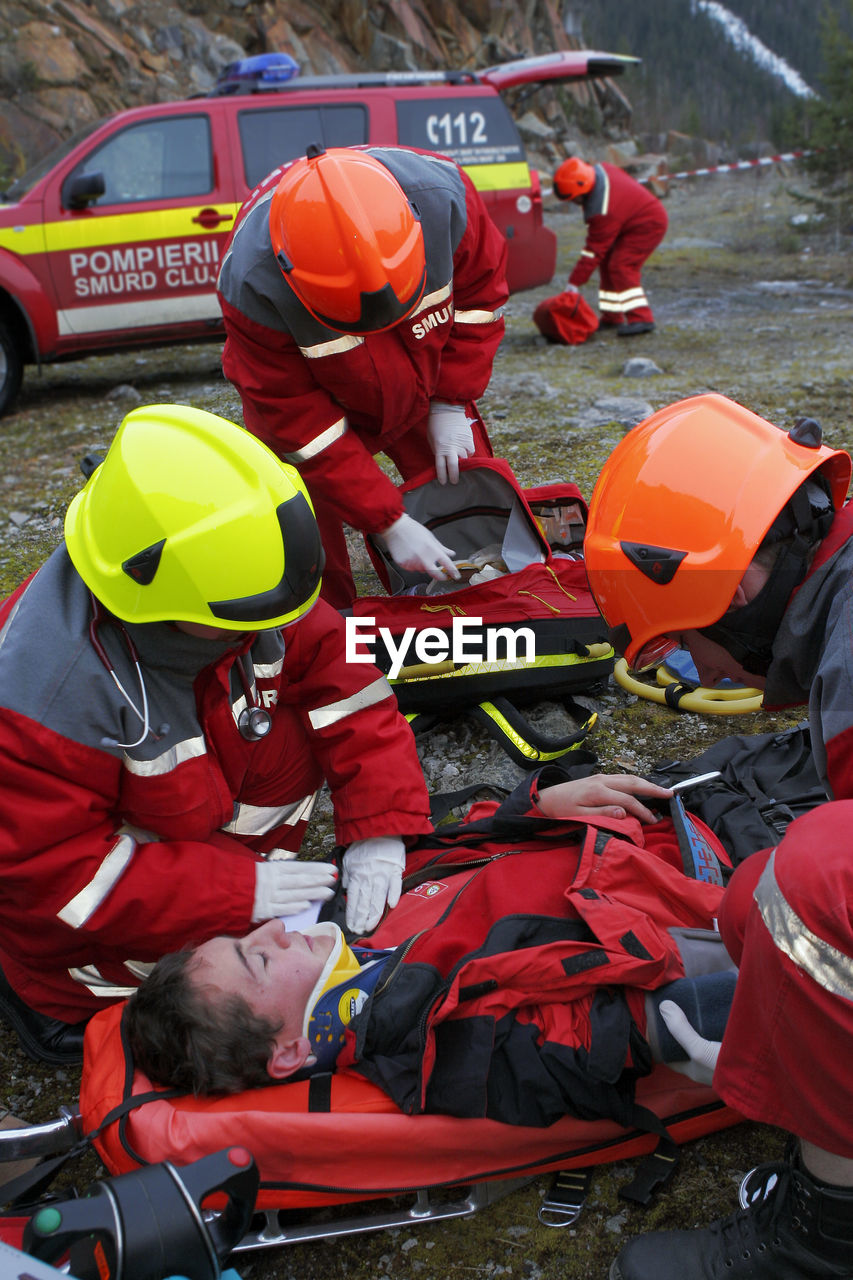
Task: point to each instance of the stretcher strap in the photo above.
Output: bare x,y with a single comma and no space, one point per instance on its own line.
656,1168
320,1092
27,1186
19,1192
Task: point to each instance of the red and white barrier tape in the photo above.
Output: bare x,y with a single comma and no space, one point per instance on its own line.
729,168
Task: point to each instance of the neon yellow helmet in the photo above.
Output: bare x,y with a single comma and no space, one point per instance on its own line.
189,518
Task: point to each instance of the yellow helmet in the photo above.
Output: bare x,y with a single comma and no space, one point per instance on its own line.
189,518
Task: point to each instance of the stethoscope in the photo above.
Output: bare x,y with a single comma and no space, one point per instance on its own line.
99,617
254,722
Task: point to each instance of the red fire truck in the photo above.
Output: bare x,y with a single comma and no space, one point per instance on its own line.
113,241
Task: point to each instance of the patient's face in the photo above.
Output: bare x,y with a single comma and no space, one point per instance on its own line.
273,970
714,663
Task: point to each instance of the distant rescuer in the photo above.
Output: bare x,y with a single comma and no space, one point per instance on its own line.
625,223
172,696
362,291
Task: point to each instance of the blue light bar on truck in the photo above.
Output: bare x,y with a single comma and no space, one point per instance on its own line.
263,68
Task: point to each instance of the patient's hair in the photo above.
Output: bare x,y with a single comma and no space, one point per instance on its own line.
181,1037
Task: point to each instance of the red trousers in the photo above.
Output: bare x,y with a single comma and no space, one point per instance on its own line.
787,921
621,297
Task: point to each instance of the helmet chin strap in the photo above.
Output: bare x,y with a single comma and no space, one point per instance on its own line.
748,633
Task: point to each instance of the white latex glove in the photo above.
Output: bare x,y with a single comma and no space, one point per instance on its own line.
286,888
570,288
703,1053
450,437
414,547
373,874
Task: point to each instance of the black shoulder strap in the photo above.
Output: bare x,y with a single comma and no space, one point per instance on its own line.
444,802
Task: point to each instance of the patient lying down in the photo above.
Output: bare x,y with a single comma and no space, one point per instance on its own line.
237,1013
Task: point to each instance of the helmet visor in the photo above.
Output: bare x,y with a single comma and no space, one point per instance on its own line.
647,656
303,567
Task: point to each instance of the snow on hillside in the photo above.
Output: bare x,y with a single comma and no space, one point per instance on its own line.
738,34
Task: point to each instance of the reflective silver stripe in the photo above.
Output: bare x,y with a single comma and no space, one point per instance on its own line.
824,964
15,607
256,820
76,912
189,749
90,978
476,317
622,302
605,201
197,308
634,294
585,253
431,300
268,670
322,717
334,347
238,707
319,443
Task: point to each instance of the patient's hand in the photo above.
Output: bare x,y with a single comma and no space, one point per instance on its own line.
604,795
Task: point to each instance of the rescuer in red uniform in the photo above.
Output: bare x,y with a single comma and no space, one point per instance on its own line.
362,291
624,224
172,696
712,529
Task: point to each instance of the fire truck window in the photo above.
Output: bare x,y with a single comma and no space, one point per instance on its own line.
164,159
272,136
471,130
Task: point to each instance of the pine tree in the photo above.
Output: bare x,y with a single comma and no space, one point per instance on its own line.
830,124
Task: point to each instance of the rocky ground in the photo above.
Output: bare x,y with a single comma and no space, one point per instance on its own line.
751,301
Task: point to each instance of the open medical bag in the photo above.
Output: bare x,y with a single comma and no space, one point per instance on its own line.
521,627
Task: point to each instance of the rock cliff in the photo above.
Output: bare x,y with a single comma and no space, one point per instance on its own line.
66,63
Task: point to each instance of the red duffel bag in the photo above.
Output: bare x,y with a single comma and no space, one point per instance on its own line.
566,317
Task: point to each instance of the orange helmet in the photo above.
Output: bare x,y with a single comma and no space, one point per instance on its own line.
573,179
681,507
348,240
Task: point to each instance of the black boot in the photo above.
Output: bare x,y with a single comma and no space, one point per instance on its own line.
44,1039
801,1230
634,328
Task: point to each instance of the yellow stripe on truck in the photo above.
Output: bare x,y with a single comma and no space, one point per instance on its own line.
85,232
499,177
23,240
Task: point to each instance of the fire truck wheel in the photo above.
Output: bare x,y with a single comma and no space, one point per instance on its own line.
11,369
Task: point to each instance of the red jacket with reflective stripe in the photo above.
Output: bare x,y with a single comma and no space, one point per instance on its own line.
617,207
517,991
785,1058
299,380
111,857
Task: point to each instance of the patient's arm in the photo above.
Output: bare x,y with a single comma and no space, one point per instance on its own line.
608,795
